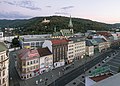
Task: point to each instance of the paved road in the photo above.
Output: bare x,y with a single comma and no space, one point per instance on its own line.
114,63
12,72
80,70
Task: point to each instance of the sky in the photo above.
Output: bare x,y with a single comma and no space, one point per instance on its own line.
106,11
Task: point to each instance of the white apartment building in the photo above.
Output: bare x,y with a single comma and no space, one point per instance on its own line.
76,48
89,48
46,59
4,64
71,51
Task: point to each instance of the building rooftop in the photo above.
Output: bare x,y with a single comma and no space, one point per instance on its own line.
66,32
99,40
27,53
101,77
3,47
44,51
111,81
32,53
88,43
104,33
56,34
34,39
77,39
59,41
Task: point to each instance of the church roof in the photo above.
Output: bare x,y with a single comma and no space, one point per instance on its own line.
56,34
66,32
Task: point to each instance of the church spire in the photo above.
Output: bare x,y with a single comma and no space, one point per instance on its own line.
55,29
70,25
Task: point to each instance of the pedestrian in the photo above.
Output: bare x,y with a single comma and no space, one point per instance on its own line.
59,73
52,76
45,82
36,82
40,80
46,79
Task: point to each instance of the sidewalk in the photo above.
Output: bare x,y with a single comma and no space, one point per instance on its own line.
49,77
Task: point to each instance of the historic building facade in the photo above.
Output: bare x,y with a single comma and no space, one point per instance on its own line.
4,65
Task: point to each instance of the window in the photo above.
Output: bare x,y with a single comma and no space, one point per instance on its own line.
2,58
30,62
26,44
34,67
27,63
37,43
32,44
23,63
36,61
3,73
3,80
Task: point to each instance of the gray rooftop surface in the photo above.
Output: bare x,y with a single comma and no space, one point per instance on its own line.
35,39
111,81
2,47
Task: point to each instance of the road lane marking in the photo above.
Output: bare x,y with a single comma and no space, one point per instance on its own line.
112,66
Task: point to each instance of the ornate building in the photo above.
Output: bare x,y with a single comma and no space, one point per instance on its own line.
4,63
59,49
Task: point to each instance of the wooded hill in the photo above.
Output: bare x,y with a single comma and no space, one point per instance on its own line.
35,25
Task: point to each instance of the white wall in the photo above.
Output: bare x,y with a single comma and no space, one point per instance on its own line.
71,51
48,44
115,36
28,37
89,82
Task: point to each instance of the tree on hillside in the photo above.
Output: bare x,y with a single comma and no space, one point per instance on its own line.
15,42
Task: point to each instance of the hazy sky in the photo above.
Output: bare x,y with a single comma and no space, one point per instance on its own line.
107,11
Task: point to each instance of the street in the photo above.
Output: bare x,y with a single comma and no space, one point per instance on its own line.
80,70
14,77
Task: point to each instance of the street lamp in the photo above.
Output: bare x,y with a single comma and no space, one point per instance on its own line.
84,55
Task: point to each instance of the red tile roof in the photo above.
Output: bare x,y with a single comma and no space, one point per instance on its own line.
59,41
27,53
104,33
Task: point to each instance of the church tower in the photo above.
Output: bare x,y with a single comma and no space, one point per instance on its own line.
70,25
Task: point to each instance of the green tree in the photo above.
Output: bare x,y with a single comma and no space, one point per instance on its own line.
15,42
